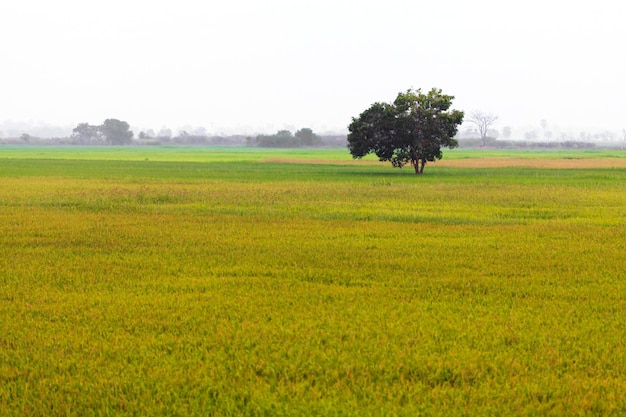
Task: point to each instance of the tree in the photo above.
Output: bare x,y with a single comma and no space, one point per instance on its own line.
544,126
412,129
548,135
482,122
531,135
280,139
85,133
284,134
506,132
285,139
116,132
164,133
306,137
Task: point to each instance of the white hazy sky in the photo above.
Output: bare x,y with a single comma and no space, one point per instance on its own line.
260,65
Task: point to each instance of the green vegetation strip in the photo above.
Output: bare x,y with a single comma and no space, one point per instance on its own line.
232,286
229,154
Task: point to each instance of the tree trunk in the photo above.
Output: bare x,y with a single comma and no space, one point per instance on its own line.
419,169
415,161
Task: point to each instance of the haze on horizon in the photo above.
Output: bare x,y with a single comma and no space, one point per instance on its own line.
251,67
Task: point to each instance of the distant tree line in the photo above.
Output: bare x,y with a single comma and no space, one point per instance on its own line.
186,139
111,132
483,135
524,144
116,132
285,139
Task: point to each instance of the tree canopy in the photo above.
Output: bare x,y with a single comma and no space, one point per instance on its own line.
412,129
285,139
113,131
116,132
86,134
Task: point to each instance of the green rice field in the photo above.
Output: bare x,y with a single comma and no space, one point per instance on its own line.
242,281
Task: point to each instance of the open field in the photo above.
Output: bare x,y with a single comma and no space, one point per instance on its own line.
215,281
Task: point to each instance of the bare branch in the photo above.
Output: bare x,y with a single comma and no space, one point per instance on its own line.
482,121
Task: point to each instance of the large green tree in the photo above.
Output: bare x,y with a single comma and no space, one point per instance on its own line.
412,129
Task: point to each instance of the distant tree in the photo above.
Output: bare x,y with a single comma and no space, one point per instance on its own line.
284,134
285,139
544,128
412,129
164,133
86,134
306,137
25,137
493,133
482,121
281,139
199,131
531,135
506,132
116,132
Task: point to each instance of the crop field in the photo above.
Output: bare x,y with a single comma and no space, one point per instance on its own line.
235,281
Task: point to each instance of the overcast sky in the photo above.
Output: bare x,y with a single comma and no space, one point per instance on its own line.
262,65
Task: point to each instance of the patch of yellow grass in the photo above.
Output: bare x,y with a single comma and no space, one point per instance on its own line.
534,163
489,162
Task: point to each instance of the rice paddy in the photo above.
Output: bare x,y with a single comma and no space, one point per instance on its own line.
219,281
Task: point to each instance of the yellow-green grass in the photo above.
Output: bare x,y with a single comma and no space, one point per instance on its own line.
216,287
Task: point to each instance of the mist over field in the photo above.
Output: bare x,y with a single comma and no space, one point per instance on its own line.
248,68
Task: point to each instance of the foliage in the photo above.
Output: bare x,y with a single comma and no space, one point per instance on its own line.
412,129
116,132
306,137
87,134
531,135
506,132
113,131
285,139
